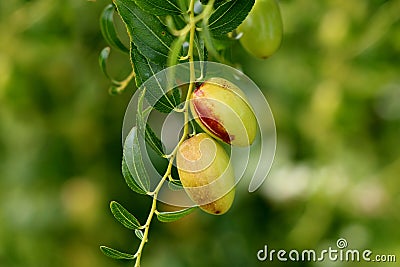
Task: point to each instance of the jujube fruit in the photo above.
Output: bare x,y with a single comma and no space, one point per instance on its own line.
222,110
262,29
206,174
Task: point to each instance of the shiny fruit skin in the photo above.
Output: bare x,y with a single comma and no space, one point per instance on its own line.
262,29
206,174
222,110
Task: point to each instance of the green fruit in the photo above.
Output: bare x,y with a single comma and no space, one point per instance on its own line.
262,29
222,110
206,174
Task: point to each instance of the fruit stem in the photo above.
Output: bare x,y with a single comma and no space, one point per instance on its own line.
192,23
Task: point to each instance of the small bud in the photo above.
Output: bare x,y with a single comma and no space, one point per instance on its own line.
222,110
206,174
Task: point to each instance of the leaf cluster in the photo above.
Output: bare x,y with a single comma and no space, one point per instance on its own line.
157,37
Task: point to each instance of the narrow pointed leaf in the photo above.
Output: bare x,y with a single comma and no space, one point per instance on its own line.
150,36
130,181
153,141
229,16
107,28
139,234
124,216
115,254
104,54
172,216
134,160
160,7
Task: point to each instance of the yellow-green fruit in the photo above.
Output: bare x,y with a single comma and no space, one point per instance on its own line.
222,110
262,29
206,174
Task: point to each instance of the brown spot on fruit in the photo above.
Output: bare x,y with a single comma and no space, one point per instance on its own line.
216,128
209,119
221,110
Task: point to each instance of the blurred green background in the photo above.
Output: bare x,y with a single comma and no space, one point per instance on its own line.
334,89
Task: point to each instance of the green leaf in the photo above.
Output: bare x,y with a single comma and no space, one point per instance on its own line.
150,36
139,234
176,96
144,128
153,140
134,161
155,88
172,216
144,68
104,54
160,7
115,254
229,16
124,216
130,181
107,28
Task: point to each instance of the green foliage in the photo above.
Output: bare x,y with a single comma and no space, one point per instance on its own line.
155,90
153,47
139,234
104,54
115,254
151,37
107,28
160,7
229,16
124,216
130,180
172,216
138,179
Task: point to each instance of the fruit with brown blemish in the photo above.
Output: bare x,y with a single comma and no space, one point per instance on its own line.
206,173
222,110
